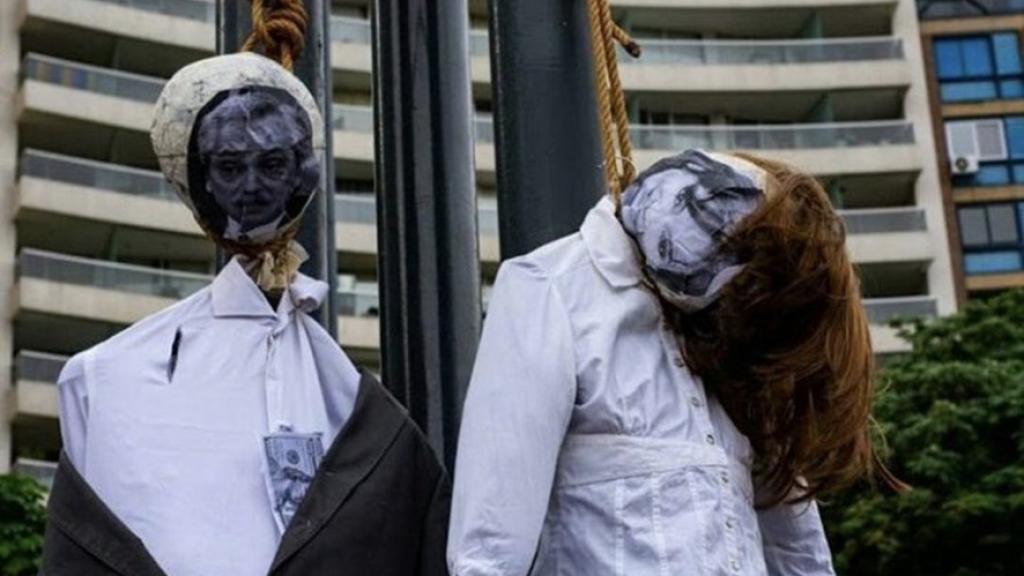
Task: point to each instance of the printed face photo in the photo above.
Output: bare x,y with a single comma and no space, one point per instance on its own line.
256,167
680,213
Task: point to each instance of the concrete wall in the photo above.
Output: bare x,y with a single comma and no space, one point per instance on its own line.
9,66
929,188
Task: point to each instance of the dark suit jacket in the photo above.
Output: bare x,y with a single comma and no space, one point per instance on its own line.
377,506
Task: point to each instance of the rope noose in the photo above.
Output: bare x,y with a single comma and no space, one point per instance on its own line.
278,30
611,99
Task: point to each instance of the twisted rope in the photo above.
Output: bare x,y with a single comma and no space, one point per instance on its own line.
278,30
611,99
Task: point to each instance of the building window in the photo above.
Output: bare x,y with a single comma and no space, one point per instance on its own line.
991,237
996,143
973,68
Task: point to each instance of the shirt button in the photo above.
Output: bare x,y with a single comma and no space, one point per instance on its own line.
735,565
695,401
678,361
710,439
730,523
725,477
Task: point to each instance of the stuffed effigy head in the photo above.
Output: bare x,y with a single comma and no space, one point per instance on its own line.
680,212
241,140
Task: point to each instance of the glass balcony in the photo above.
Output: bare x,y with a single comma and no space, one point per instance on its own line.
91,78
724,137
358,303
479,43
695,52
38,366
66,269
884,220
937,9
774,137
201,10
882,310
352,118
39,470
362,209
92,174
768,52
350,30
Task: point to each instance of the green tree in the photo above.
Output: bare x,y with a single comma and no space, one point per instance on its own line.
22,520
952,416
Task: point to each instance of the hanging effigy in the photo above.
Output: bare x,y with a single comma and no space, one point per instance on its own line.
229,433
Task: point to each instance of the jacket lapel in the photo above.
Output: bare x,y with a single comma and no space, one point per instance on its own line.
77,512
371,429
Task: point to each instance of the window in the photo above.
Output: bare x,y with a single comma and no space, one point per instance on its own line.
990,235
998,145
973,68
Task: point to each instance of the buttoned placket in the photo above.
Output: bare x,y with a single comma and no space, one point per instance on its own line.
277,420
698,399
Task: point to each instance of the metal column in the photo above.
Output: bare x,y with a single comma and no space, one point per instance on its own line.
428,259
314,69
546,125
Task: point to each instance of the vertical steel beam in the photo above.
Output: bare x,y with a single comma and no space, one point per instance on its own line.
314,69
546,132
428,258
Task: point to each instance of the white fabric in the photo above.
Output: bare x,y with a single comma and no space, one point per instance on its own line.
587,447
179,460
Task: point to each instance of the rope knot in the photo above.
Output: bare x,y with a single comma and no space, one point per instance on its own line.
278,30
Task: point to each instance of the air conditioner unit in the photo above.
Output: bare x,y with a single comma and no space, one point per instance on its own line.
963,165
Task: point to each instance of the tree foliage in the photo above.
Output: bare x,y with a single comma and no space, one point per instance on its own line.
22,520
951,414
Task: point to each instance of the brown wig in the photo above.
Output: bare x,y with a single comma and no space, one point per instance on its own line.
786,348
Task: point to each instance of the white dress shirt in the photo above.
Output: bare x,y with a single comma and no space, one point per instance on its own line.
165,420
586,445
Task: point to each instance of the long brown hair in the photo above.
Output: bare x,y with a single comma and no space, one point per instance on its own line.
786,348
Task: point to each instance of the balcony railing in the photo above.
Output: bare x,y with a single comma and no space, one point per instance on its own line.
101,175
882,310
359,303
38,366
937,9
768,52
39,470
134,279
201,10
111,275
350,30
91,78
774,137
884,220
696,52
650,137
362,208
724,137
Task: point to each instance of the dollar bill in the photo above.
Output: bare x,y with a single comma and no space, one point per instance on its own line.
292,460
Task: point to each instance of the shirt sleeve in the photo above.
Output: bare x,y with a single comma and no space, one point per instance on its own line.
794,541
517,410
73,396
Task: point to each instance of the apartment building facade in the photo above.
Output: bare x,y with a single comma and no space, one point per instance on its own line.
93,239
973,55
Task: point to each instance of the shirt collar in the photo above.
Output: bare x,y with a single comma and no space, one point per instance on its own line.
610,248
235,294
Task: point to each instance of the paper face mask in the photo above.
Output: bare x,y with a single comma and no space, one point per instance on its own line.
680,211
255,168
241,140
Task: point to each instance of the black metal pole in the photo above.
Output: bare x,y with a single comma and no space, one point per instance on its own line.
546,130
428,258
314,69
